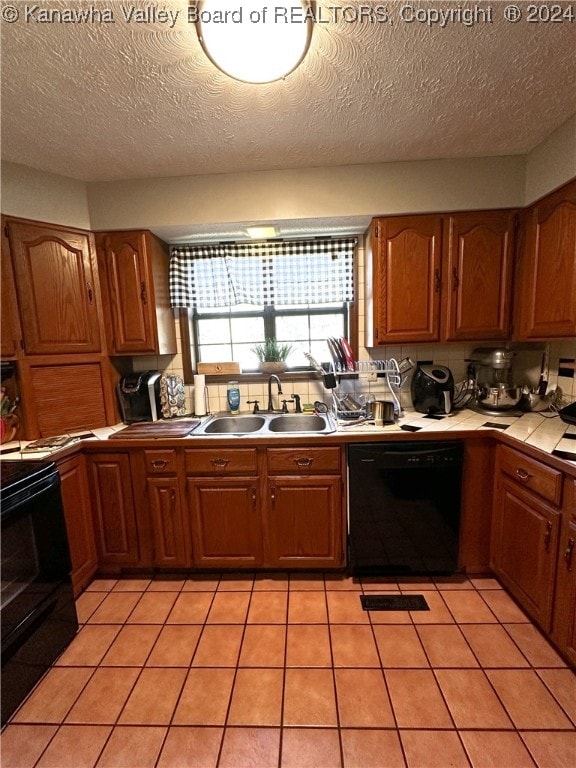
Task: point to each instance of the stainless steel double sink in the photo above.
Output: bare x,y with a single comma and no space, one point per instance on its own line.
261,424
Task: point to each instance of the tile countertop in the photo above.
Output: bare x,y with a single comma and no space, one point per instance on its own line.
547,433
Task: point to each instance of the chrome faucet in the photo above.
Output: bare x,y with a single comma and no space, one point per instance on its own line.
270,380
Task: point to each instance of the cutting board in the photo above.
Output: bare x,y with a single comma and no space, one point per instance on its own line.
155,429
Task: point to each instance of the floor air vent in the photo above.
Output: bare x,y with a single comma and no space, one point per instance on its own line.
394,603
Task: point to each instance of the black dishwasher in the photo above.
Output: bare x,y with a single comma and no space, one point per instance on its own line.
404,507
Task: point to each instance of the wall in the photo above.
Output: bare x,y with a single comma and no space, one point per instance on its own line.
551,163
367,190
33,194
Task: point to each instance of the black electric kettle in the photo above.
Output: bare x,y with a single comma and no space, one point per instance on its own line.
432,389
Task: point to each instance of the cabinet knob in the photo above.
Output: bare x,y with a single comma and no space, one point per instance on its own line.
220,463
521,474
304,461
568,553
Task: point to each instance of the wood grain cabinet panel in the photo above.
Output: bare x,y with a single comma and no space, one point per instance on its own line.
136,269
226,522
9,323
477,284
547,268
564,624
113,508
79,524
304,522
524,546
170,548
405,275
58,288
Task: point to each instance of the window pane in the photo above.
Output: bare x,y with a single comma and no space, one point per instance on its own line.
290,328
322,326
247,328
215,353
213,331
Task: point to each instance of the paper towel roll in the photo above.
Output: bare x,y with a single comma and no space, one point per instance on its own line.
200,394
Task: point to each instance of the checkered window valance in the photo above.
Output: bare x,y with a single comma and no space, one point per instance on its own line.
274,272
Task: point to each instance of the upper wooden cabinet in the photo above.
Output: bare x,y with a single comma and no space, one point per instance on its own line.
433,278
477,275
140,320
9,324
404,279
57,286
547,268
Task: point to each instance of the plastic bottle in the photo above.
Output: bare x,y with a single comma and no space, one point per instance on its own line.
233,395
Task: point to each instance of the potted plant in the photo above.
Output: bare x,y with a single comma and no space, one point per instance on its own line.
272,355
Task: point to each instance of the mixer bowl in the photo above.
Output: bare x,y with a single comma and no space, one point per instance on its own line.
499,398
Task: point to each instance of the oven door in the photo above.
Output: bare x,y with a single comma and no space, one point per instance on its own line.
37,610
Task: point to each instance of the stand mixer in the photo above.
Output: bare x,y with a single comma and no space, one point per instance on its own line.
494,391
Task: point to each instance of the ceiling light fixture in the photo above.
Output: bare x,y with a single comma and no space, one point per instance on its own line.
252,41
261,233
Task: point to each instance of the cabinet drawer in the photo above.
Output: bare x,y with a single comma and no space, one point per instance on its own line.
531,474
303,460
221,460
161,462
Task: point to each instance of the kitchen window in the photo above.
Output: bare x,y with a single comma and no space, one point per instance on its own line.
234,295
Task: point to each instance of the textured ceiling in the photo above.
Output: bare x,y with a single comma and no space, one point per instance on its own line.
103,101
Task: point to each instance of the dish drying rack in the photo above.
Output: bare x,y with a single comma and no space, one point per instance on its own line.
347,408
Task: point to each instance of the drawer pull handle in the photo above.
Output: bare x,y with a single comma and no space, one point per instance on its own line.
305,461
521,474
159,463
548,536
219,462
568,553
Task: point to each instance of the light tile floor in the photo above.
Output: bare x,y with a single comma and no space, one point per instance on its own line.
289,672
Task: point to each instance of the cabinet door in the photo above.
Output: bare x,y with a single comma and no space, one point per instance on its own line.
478,275
9,327
564,629
113,508
58,290
169,536
524,546
225,522
548,267
130,292
305,522
79,525
407,279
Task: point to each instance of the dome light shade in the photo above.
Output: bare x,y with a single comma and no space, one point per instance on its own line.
252,41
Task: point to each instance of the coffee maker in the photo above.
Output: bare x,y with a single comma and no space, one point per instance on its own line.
139,397
494,390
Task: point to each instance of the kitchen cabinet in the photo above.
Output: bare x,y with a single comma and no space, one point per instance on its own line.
440,277
564,624
525,530
139,317
114,511
170,539
403,280
224,507
57,287
547,268
9,324
303,514
477,275
79,524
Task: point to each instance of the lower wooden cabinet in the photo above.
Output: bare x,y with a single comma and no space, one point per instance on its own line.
113,509
564,622
304,522
524,546
225,521
78,514
169,539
